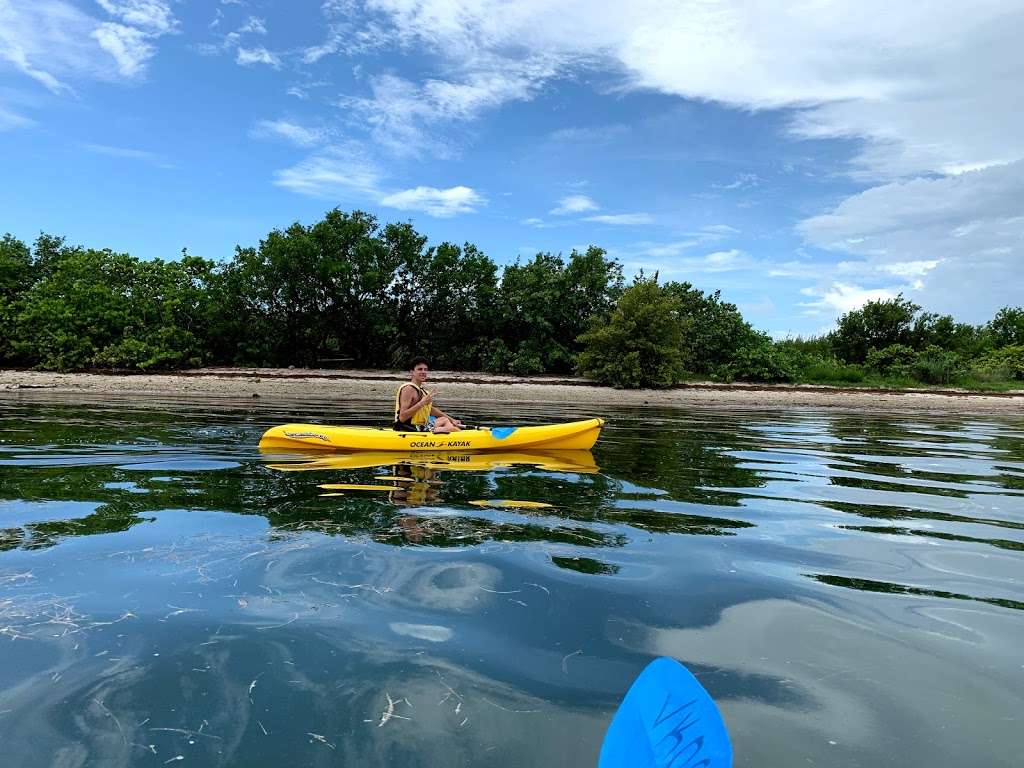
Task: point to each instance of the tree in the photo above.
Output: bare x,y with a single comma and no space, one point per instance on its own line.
447,308
321,290
16,277
878,324
1007,327
545,304
713,330
639,345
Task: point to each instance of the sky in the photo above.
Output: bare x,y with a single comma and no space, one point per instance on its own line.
802,157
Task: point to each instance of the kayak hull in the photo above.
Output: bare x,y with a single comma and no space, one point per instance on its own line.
575,435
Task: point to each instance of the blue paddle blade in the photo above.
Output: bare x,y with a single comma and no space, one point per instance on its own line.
500,433
666,720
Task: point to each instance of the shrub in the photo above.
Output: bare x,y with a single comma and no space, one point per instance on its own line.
893,360
1003,364
830,370
761,362
935,365
639,345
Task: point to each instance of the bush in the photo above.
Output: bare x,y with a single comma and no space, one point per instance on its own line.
526,362
936,365
1004,364
830,370
893,360
762,362
639,345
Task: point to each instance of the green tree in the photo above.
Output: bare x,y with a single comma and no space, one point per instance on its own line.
321,290
101,308
447,307
714,331
16,276
1007,327
545,304
878,324
639,345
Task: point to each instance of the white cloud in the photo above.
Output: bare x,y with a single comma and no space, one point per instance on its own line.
668,261
128,154
9,120
254,26
622,219
52,41
290,131
258,55
129,46
149,16
405,117
346,173
918,268
442,203
574,204
743,181
840,298
926,84
601,134
342,172
960,239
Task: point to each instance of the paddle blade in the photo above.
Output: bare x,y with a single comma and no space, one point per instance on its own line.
666,720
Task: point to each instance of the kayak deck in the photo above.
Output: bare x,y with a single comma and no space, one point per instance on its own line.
574,435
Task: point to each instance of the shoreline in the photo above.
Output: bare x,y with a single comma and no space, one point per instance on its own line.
299,384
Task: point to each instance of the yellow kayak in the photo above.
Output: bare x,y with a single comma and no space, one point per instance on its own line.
459,461
574,435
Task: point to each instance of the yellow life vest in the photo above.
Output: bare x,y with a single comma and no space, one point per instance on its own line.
422,416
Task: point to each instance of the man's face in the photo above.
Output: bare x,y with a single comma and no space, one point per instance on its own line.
419,373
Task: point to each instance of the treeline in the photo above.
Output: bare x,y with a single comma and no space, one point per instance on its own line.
660,334
347,289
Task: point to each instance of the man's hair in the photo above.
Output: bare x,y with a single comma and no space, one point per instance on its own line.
417,361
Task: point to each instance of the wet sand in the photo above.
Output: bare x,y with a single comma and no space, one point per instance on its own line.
285,384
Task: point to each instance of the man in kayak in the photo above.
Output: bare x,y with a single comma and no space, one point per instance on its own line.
414,406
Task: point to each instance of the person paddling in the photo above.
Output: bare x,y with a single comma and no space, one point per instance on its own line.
414,406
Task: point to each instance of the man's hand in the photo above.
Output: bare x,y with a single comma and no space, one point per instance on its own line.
428,398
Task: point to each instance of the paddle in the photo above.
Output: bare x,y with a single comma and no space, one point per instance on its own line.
666,720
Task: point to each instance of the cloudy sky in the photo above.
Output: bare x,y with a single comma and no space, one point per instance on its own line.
801,159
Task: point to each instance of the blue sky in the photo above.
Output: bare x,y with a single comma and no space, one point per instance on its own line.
803,159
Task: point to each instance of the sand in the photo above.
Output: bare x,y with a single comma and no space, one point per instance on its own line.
296,384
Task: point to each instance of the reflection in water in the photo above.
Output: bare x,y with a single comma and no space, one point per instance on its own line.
847,587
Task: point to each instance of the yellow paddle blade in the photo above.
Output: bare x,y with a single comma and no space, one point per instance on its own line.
356,487
512,503
396,479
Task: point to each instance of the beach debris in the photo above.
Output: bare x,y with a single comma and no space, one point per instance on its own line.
389,711
320,738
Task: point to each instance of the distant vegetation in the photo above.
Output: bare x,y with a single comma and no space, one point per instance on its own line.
348,289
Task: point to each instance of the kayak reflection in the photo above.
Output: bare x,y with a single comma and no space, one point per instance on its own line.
416,477
556,461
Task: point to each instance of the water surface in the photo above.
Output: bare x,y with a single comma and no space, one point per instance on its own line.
847,587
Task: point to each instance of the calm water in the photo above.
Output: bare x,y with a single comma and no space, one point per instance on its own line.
848,588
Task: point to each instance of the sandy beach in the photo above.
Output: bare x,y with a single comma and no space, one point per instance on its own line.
296,384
